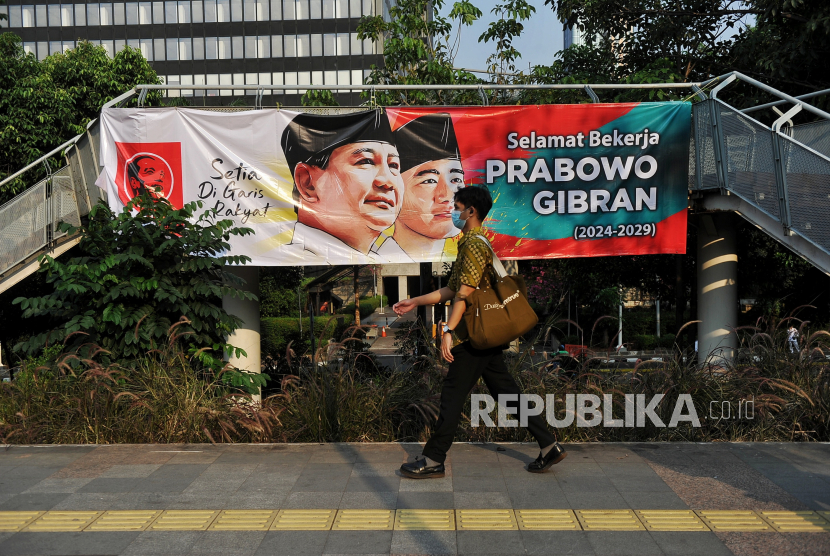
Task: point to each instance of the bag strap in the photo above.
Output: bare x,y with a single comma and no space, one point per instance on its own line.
497,266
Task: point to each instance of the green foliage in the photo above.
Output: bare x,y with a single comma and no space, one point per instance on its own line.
278,290
277,333
367,306
138,275
417,50
503,32
43,104
315,97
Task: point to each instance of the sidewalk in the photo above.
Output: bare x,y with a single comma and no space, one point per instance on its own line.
647,498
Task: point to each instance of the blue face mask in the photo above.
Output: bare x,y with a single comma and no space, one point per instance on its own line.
457,221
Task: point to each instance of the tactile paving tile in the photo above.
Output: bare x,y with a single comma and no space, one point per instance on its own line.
547,520
62,521
356,520
244,520
184,520
485,520
124,520
733,520
431,520
671,520
304,520
15,521
796,522
609,520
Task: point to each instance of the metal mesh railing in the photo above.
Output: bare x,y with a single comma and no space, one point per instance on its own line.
64,203
808,190
705,165
24,223
815,135
750,160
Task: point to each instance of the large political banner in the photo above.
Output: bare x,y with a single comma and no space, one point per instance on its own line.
377,186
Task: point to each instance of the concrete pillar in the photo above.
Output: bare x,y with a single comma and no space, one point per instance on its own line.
402,293
247,335
717,287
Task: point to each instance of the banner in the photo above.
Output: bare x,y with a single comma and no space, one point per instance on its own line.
376,187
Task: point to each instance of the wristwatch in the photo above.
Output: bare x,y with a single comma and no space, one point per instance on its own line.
446,329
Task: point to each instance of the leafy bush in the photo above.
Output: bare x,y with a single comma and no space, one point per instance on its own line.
136,276
277,332
368,305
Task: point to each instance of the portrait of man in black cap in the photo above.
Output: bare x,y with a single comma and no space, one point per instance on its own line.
432,173
347,183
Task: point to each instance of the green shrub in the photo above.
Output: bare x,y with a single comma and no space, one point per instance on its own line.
643,341
367,306
277,332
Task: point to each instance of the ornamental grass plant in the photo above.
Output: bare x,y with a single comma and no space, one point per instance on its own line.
165,396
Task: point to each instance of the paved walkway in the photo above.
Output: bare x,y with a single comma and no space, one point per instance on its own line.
350,499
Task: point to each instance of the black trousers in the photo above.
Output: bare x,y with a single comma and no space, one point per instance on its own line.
468,365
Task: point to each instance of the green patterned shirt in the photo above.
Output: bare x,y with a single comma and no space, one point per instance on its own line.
471,266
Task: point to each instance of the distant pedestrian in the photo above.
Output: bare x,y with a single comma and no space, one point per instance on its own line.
472,267
792,339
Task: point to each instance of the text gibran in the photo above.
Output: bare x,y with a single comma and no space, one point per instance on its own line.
614,169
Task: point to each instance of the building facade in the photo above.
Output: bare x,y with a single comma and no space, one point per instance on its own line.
212,42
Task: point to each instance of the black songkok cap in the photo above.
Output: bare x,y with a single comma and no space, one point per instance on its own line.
429,137
311,138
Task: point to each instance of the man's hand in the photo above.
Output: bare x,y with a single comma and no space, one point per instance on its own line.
446,346
404,306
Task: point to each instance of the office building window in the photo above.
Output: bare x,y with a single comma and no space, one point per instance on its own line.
106,14
158,13
238,47
277,79
238,79
329,46
250,47
119,45
146,47
40,16
354,8
276,10
54,47
4,22
369,46
328,9
145,13
186,80
198,48
211,48
317,45
42,50
170,12
264,79
316,77
315,9
342,44
263,46
223,11
355,46
183,10
276,46
132,13
185,49
249,10
368,8
224,49
262,10
210,11
67,15
30,48
28,13
198,16
236,10
158,50
329,78
109,47
15,16
54,15
297,46
134,43
225,79
343,77
357,77
119,17
342,8
212,79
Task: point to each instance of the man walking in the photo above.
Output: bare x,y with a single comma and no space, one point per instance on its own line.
792,339
472,268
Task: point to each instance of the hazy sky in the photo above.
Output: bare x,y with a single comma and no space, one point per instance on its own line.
541,39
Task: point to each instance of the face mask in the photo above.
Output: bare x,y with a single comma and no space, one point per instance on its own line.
457,221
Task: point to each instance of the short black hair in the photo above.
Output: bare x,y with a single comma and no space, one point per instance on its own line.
477,197
133,169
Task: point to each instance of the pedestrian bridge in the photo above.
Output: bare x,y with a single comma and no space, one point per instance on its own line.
777,177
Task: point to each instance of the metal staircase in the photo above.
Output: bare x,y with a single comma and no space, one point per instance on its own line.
776,177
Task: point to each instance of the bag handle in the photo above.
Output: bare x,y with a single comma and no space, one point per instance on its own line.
497,266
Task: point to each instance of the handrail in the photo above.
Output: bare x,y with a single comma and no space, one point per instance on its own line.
780,102
465,87
41,159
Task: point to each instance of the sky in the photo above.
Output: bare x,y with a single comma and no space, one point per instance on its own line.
541,39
